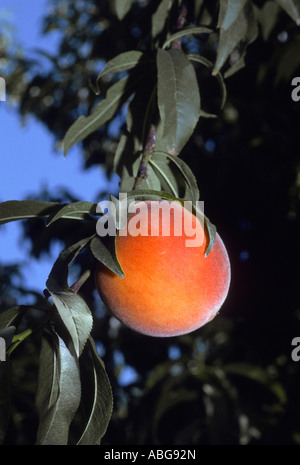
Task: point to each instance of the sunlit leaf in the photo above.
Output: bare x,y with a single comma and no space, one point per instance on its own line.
102,405
58,391
14,210
178,99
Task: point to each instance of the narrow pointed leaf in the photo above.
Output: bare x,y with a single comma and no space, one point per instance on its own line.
14,210
186,175
58,393
10,316
104,250
74,211
75,315
292,8
102,406
204,61
160,19
116,96
242,31
229,12
178,99
194,30
58,277
124,62
121,7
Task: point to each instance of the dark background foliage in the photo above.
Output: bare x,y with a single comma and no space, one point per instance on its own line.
233,381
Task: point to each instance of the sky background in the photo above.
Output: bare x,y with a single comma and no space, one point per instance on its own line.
28,159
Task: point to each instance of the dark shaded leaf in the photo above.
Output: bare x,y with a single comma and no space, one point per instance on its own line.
160,19
242,31
124,62
74,211
116,96
102,406
194,30
212,230
58,277
58,392
10,316
292,8
104,250
120,8
229,12
192,192
178,100
204,61
259,375
267,17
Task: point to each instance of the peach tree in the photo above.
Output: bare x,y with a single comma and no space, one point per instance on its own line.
159,88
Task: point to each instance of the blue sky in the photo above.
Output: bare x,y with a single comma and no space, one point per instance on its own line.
28,160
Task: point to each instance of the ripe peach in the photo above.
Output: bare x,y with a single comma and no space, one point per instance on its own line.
169,289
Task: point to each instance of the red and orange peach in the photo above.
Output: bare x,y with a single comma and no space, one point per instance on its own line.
169,288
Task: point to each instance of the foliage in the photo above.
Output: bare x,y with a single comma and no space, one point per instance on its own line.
166,73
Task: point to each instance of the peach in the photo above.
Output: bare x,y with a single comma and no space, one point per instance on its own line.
169,288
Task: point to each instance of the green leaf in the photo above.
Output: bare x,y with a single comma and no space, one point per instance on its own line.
75,315
73,211
104,251
267,17
204,61
120,8
163,161
5,397
186,32
58,277
259,375
10,316
212,231
229,12
292,8
116,96
242,31
178,99
149,194
124,62
160,20
58,391
102,406
14,210
73,310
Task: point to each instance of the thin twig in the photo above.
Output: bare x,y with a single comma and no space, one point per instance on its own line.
142,171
